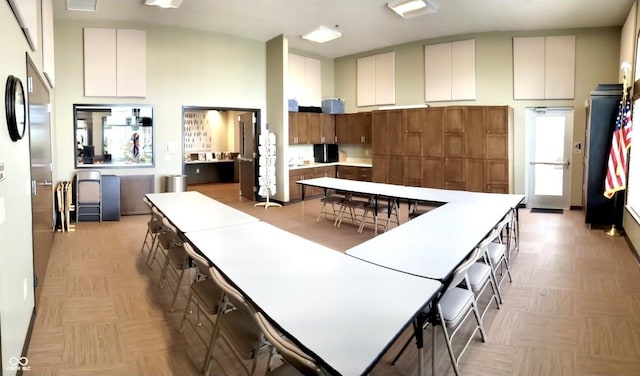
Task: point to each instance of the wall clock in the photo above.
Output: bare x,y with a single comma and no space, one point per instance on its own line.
15,109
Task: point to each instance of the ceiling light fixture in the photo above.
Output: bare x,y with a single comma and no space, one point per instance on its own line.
81,5
164,3
412,8
322,34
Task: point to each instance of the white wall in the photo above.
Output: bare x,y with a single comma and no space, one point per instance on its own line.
184,68
16,265
597,53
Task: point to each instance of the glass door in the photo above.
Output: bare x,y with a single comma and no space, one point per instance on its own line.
548,142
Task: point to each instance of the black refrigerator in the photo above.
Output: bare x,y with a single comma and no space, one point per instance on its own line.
602,112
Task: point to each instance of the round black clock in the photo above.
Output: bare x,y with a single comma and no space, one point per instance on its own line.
15,108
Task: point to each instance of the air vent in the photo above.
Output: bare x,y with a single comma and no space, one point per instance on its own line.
82,5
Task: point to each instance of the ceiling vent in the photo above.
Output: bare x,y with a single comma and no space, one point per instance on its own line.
82,5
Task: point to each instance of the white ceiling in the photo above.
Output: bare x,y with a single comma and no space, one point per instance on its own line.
365,24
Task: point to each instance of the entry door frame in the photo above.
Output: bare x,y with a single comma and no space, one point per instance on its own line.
257,129
548,201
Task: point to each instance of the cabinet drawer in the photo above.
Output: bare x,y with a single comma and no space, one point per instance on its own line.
364,173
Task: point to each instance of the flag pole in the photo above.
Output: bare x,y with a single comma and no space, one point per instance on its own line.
614,231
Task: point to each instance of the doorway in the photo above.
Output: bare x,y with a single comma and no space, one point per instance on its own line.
548,146
211,133
43,216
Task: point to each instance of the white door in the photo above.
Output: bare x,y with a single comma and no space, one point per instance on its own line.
548,146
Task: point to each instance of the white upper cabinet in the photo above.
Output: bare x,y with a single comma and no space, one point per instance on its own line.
48,57
560,67
131,63
376,79
544,67
304,80
114,62
26,12
450,71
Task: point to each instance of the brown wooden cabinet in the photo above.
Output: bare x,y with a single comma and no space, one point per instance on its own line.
354,173
295,190
298,128
327,129
455,147
353,128
311,128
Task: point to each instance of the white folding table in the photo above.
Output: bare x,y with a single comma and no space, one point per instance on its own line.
432,245
342,310
193,211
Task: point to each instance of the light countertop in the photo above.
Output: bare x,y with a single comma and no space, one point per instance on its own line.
211,161
312,165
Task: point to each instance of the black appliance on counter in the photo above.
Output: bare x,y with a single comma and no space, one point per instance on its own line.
325,153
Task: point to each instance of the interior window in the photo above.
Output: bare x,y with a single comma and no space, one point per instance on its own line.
113,136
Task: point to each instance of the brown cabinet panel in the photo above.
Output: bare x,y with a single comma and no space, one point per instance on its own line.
454,170
298,128
353,128
342,128
364,173
314,129
433,131
361,128
497,146
379,169
395,132
347,172
395,170
497,119
454,145
414,119
328,129
497,188
496,172
413,144
433,172
475,175
458,186
474,132
295,190
413,171
454,119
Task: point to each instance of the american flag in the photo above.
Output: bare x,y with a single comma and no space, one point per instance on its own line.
616,179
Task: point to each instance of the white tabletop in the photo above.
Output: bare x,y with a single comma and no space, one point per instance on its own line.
353,186
432,245
447,195
193,211
345,311
414,193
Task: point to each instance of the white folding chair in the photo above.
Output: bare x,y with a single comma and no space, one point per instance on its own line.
480,275
453,308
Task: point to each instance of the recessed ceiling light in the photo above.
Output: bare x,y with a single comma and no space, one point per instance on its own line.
164,3
412,8
82,5
322,34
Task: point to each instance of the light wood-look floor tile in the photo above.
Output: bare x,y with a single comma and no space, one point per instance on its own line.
572,308
88,345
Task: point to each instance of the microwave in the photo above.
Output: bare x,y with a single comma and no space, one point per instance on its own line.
325,153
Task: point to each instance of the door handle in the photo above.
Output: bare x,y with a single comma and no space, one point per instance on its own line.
551,163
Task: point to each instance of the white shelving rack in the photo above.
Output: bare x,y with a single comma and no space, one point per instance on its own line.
267,169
